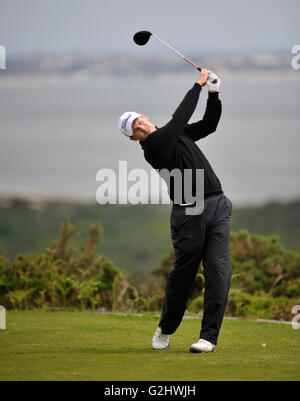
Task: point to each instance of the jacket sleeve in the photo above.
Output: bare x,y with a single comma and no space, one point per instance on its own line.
167,136
210,120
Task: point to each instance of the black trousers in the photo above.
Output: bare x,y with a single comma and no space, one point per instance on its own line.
197,238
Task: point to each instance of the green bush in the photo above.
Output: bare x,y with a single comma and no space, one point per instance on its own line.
58,277
259,305
264,265
265,281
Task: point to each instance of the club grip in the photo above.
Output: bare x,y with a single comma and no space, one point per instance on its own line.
213,82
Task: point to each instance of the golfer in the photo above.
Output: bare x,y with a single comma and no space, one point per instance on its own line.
200,237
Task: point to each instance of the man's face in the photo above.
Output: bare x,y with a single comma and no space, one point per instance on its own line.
142,128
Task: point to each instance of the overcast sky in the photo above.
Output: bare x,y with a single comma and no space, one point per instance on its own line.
63,26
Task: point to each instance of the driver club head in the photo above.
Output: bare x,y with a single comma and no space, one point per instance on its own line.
142,37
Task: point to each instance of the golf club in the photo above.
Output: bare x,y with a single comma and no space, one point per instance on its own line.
142,37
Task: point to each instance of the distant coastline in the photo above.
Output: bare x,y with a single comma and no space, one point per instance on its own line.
95,65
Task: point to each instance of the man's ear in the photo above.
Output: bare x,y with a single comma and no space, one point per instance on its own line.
143,115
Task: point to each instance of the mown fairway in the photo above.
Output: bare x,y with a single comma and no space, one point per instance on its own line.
94,346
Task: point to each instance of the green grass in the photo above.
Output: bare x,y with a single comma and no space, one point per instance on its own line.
92,346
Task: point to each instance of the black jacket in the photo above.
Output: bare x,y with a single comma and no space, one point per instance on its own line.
173,145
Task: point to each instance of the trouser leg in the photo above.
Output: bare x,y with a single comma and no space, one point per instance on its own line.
217,273
178,287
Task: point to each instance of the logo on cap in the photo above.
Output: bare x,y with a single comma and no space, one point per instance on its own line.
124,122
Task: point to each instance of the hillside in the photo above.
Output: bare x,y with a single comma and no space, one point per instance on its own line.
135,237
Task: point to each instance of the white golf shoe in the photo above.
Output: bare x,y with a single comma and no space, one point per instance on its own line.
202,346
160,340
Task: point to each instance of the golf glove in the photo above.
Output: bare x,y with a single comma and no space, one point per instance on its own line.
213,87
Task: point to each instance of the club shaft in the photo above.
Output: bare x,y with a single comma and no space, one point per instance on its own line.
177,52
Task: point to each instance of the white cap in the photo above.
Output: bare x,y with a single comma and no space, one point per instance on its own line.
125,122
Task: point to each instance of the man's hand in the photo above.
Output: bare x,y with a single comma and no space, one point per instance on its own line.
213,87
203,76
